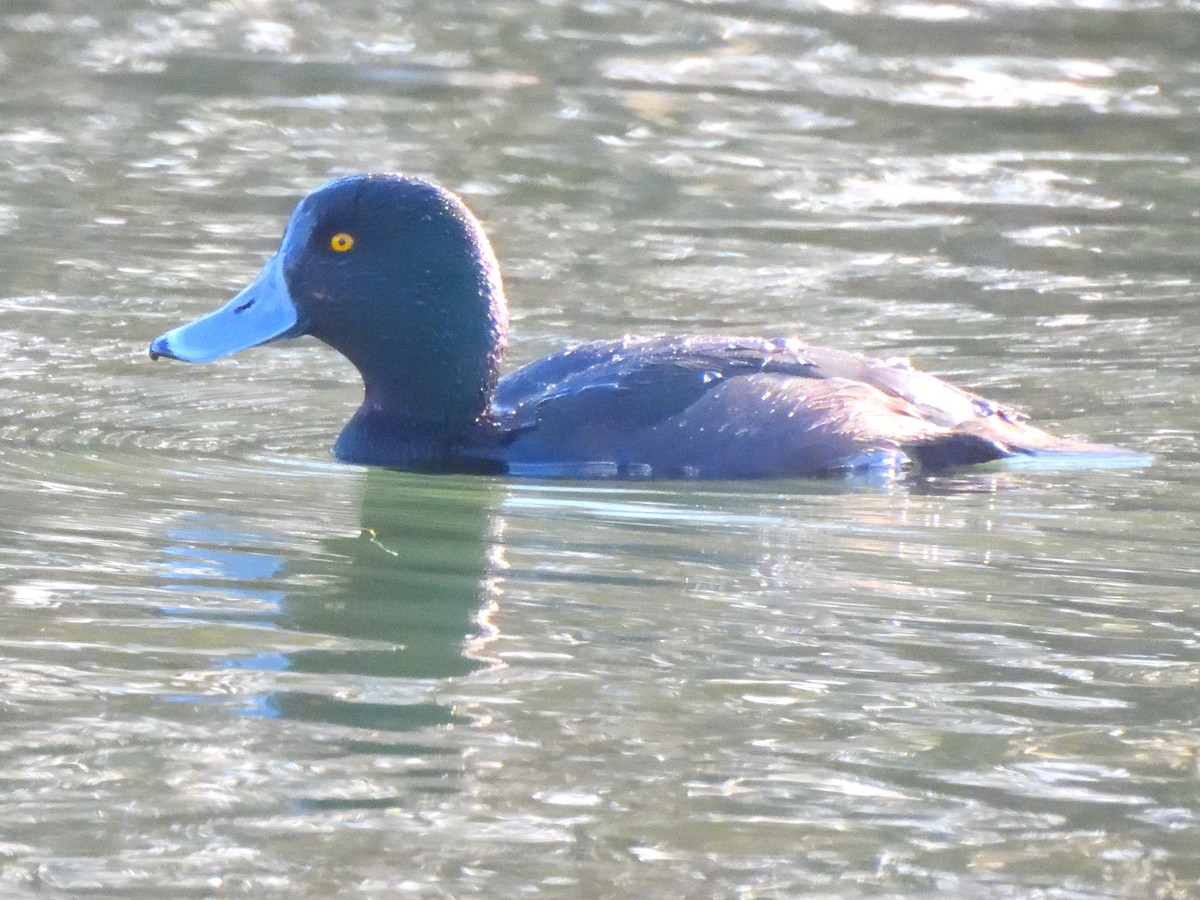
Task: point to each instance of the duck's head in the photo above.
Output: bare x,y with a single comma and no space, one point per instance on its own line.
394,273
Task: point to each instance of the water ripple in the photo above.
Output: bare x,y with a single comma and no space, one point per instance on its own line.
234,666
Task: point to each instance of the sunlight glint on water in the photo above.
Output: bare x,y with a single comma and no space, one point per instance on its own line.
234,666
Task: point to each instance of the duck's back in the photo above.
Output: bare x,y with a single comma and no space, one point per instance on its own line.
713,407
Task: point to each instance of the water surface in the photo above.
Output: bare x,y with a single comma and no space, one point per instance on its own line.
232,666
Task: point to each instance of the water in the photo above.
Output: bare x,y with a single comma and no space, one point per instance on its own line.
234,667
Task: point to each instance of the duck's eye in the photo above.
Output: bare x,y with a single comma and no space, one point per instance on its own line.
341,242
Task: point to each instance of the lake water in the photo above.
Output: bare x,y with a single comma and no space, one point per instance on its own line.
233,667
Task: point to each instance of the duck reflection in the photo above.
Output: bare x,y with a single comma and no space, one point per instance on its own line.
380,616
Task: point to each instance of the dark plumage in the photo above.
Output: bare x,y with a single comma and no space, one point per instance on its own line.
397,275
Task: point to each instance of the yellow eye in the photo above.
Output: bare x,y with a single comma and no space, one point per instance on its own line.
341,242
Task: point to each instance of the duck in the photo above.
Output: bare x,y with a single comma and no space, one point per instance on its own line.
396,274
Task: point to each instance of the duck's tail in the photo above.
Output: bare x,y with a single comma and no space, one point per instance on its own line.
984,441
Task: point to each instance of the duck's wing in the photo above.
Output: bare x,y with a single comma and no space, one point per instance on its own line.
636,382
647,379
703,406
957,427
735,407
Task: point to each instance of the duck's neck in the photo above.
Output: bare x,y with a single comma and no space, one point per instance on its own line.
417,418
426,384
